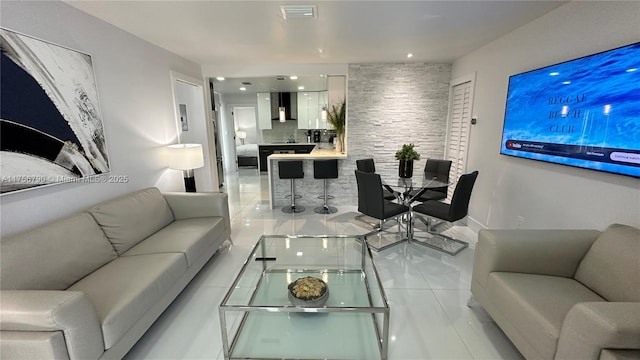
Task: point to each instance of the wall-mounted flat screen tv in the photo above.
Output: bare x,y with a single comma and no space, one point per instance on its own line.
584,112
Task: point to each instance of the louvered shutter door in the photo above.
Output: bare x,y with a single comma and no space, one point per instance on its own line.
459,131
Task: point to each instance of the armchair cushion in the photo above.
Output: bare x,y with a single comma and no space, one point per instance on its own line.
525,299
542,252
611,266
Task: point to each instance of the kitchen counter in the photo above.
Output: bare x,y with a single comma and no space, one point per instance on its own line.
315,154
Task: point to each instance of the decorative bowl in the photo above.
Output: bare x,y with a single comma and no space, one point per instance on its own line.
308,291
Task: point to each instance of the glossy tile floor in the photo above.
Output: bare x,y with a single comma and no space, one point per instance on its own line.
427,290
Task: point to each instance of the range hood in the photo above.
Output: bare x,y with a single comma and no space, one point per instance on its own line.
288,100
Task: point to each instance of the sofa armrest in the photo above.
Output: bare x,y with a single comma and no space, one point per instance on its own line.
42,310
590,327
544,252
195,205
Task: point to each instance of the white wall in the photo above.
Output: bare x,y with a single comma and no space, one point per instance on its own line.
134,87
546,195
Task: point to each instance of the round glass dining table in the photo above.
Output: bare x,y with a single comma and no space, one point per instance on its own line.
408,189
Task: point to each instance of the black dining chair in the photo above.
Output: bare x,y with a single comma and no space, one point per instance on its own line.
372,203
454,211
369,166
435,169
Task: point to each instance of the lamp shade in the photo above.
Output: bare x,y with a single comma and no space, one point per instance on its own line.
241,134
185,156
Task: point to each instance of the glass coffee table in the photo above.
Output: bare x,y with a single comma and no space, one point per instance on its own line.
258,321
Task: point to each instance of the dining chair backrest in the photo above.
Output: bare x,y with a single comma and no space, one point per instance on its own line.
362,196
366,165
437,169
461,195
370,194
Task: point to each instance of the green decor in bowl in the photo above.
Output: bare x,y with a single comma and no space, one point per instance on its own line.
308,291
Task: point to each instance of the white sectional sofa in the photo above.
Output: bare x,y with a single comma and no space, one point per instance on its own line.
562,294
88,286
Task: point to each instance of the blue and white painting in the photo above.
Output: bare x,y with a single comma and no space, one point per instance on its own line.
584,112
50,123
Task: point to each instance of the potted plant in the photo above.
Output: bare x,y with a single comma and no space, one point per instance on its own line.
336,117
406,155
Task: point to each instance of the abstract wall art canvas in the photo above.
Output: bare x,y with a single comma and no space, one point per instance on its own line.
50,124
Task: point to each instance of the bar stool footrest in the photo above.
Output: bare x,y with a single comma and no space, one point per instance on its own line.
325,210
293,209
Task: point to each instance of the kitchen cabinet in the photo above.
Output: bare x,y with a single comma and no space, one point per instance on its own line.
264,110
310,105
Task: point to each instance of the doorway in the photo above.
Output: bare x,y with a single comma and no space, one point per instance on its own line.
244,119
192,125
459,127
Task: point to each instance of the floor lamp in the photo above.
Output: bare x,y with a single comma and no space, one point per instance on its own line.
186,157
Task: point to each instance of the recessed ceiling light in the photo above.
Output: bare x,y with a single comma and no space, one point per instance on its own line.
566,82
293,77
555,73
220,78
632,69
300,87
409,55
243,88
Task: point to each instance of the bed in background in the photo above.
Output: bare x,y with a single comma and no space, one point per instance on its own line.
247,155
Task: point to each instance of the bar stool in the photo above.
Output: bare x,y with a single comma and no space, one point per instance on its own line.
291,170
325,169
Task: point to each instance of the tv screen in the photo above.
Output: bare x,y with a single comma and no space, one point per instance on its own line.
584,112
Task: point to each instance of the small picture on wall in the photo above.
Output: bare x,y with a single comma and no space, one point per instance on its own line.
183,117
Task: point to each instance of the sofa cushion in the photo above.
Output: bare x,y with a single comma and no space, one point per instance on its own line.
123,290
612,354
55,255
33,345
610,267
130,219
525,300
192,237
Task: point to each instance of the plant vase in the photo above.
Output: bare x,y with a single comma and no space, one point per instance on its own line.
405,169
340,143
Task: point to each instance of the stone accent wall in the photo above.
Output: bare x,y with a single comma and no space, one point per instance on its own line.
387,105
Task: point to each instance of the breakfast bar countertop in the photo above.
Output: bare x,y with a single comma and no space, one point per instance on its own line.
316,154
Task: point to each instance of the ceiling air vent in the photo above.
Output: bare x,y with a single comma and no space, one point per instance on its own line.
280,77
246,83
299,11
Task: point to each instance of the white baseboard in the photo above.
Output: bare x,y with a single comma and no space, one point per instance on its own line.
474,224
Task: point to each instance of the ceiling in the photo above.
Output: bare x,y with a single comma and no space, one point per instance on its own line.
246,33
270,84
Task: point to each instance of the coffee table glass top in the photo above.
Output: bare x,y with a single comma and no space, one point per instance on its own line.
258,320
